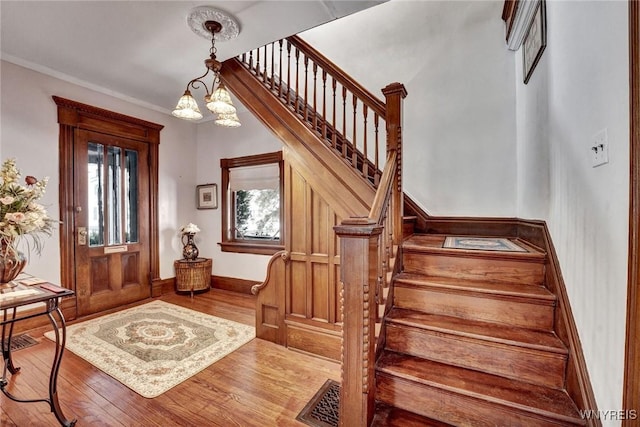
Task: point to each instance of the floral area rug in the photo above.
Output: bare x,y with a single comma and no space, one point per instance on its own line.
154,347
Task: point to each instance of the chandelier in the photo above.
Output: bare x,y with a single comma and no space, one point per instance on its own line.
217,101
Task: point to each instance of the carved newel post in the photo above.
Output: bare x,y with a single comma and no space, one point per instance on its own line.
359,272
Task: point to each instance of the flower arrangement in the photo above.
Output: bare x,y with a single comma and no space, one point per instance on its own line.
189,229
20,213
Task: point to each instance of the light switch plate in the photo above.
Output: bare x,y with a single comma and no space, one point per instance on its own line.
600,148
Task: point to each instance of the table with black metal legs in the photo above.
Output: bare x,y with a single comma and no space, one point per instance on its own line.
11,299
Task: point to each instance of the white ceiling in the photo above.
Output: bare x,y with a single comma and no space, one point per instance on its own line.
143,50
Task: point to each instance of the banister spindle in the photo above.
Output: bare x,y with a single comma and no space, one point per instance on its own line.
306,92
280,70
365,154
344,122
334,122
324,105
258,62
273,58
288,72
354,149
265,66
251,60
315,104
297,91
376,178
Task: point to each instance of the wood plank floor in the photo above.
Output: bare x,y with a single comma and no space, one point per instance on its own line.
260,384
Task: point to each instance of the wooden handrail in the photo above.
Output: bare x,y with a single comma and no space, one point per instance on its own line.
381,201
343,78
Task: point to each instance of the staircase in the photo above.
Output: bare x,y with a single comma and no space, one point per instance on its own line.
464,337
469,340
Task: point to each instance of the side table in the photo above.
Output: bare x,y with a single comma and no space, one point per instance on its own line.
193,275
20,296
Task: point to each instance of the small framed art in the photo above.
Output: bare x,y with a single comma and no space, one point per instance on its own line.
534,41
207,196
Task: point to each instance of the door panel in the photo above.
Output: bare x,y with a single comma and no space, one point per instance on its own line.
112,221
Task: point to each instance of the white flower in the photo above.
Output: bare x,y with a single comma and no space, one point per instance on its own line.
189,229
7,200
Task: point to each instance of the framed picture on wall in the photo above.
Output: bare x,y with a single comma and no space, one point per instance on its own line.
534,41
207,196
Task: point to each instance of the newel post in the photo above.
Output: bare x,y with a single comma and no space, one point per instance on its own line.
394,94
359,239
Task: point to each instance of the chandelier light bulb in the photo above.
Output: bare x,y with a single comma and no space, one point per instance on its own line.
187,107
228,120
220,101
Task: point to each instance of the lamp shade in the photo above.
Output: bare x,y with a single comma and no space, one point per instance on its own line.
187,107
228,120
220,101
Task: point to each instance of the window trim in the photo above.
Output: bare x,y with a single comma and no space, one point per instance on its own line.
229,243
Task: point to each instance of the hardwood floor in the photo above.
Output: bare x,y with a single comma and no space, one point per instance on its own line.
260,384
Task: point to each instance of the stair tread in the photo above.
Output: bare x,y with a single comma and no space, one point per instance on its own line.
501,288
529,338
435,242
529,397
389,416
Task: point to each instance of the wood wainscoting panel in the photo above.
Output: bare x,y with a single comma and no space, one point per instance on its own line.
312,289
308,339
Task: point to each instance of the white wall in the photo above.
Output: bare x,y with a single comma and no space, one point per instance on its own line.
459,125
215,143
29,132
580,87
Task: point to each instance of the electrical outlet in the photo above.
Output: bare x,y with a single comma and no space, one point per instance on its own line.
600,148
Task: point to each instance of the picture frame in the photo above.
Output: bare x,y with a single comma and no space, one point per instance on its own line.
207,196
535,41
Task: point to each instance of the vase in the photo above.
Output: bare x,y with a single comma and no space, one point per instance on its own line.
11,264
190,250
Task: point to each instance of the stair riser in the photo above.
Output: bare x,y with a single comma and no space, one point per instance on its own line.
453,408
524,364
475,268
518,312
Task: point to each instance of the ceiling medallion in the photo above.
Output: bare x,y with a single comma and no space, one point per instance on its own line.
201,14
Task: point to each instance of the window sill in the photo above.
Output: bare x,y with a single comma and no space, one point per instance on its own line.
251,248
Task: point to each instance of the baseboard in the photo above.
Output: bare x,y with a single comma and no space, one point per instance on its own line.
158,286
313,340
233,284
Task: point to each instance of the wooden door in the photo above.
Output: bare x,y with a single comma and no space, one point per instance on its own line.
111,205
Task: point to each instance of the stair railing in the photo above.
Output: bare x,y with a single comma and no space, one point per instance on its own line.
347,119
342,113
367,246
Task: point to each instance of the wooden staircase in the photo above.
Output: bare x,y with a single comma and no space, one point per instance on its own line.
461,337
469,341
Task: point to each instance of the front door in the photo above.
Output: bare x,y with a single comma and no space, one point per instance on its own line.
111,198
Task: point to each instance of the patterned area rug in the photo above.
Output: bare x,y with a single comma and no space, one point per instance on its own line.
324,407
482,244
154,347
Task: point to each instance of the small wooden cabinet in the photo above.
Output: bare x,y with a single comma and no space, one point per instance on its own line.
193,275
